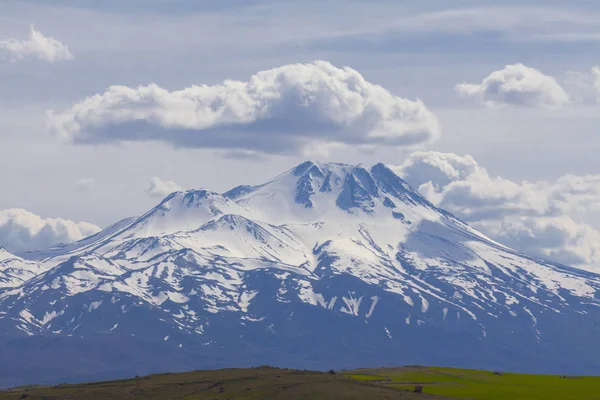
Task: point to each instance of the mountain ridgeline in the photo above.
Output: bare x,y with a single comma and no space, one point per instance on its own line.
325,266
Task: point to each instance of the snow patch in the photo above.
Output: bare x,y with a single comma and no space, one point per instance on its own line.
94,305
352,305
424,304
374,299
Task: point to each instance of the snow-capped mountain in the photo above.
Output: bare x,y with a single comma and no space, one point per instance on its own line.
326,265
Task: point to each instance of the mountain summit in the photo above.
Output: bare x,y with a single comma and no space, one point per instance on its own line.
325,266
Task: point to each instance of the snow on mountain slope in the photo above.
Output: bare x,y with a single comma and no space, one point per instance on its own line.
15,270
53,252
348,250
182,211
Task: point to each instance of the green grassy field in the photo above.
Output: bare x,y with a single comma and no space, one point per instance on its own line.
483,385
372,384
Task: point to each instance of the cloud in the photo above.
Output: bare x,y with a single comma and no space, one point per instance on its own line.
517,85
545,219
560,239
36,46
584,87
22,230
84,184
439,169
460,185
283,110
596,75
160,188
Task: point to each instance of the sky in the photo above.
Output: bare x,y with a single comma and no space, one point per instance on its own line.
488,107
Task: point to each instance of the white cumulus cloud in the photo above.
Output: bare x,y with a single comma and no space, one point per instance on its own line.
160,188
545,219
560,238
517,85
23,230
288,110
35,46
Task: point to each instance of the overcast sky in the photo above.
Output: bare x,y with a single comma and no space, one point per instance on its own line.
100,106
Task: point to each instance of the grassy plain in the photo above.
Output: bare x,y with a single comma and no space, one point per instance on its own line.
483,385
373,384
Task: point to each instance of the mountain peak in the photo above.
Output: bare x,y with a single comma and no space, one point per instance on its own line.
357,186
302,168
325,186
322,168
182,211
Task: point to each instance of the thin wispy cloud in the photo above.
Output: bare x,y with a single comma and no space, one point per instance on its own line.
36,46
84,184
